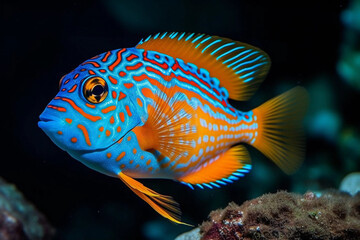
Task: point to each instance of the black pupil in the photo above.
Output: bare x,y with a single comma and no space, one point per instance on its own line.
97,90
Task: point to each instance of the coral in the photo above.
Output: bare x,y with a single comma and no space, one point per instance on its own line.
19,220
284,215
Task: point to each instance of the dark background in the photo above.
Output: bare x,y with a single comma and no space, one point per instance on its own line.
41,42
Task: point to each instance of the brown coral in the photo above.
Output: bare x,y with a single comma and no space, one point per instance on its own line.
284,215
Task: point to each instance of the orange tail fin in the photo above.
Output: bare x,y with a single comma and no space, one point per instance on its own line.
280,135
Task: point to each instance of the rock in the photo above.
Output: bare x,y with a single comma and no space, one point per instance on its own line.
351,183
283,215
191,235
19,220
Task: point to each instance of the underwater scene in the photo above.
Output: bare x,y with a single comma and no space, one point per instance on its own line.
180,120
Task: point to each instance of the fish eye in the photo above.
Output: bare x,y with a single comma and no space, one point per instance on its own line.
95,90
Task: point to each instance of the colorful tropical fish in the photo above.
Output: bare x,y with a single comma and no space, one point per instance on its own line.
161,110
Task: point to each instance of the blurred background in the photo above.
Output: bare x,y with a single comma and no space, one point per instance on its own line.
315,44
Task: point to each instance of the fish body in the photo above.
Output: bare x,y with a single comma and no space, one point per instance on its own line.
161,110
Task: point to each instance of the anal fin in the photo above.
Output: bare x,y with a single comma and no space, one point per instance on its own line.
221,169
162,204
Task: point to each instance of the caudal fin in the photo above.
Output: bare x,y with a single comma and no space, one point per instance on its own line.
280,135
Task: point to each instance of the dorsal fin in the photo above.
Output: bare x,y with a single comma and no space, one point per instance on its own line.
239,67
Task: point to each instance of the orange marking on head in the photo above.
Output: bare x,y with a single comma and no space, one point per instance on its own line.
78,109
107,133
68,120
106,56
121,155
102,70
90,105
122,74
150,169
66,81
118,59
59,132
121,96
128,110
86,134
134,151
129,138
142,157
148,162
63,90
137,166
139,102
60,109
136,66
147,92
128,85
122,166
101,129
131,57
76,76
91,72
122,116
112,80
120,140
113,93
73,88
118,129
108,109
131,161
95,64
112,120
108,155
74,139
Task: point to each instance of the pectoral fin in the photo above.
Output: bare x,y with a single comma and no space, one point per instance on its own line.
164,205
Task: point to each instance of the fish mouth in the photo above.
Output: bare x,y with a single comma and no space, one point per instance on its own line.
45,122
45,119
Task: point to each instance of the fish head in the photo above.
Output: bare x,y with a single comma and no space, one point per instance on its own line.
94,108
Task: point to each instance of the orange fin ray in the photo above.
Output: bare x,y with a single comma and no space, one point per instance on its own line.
281,136
162,204
221,169
169,124
238,66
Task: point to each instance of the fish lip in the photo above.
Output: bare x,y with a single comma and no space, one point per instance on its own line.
45,119
44,122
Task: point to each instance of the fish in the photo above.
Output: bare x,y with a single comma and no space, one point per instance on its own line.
161,110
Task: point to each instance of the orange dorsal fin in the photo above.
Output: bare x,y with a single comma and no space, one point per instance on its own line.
169,127
234,162
162,204
238,66
280,134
